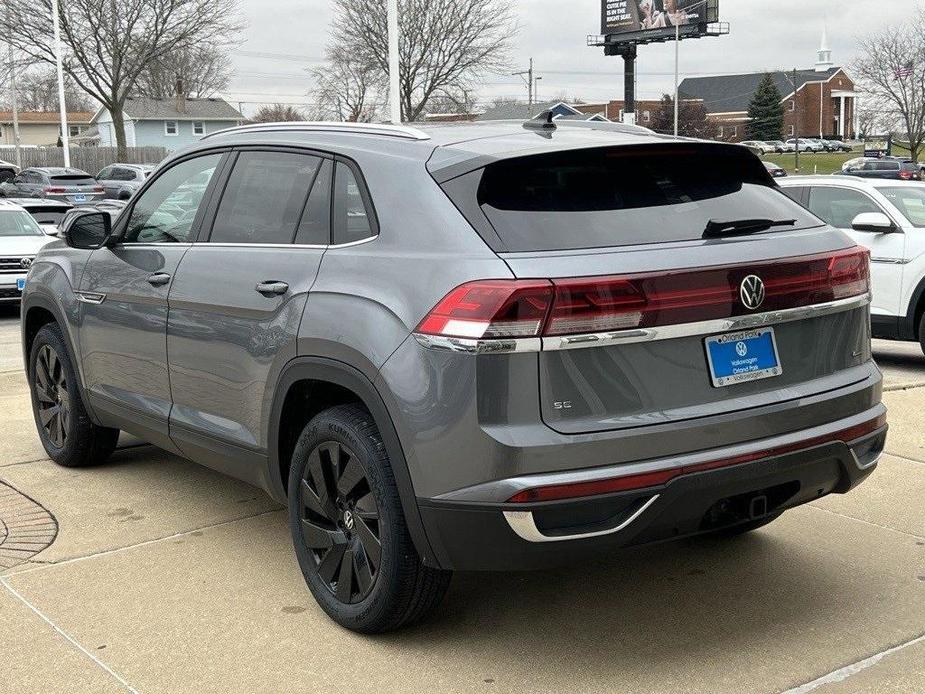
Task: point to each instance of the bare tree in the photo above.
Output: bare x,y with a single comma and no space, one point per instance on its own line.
345,87
277,113
692,118
892,66
445,45
108,44
202,70
37,90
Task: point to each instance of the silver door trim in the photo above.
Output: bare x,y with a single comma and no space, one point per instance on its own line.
94,298
524,524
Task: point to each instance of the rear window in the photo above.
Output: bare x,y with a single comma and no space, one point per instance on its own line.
48,215
625,196
73,180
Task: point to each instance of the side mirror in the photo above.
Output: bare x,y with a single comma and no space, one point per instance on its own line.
87,230
873,222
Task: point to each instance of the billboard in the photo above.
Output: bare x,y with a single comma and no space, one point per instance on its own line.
632,16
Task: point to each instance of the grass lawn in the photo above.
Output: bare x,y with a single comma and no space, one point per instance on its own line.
823,163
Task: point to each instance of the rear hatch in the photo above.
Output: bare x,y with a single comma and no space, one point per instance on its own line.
74,187
646,321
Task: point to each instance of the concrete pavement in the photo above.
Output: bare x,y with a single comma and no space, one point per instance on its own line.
166,577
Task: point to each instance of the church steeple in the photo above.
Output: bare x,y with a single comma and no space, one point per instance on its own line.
824,54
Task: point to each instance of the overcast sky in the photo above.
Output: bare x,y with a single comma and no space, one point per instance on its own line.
284,37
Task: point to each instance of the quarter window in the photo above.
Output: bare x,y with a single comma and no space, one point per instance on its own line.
264,198
170,127
165,212
351,218
315,227
839,206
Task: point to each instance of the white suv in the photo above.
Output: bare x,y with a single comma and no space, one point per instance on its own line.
888,217
21,237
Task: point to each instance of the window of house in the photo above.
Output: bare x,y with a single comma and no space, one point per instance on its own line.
790,130
74,130
170,127
646,116
264,198
735,130
199,128
792,105
721,133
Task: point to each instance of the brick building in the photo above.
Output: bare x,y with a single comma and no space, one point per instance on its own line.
823,104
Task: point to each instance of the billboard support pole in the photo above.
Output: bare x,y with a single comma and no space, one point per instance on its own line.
629,83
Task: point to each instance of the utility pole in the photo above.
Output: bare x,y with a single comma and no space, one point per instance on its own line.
677,63
527,76
66,145
394,87
15,102
796,122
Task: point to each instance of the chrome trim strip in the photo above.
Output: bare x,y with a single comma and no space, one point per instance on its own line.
312,246
671,332
523,523
468,346
891,261
90,297
625,337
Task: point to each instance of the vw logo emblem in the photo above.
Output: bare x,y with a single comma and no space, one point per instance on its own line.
741,349
25,263
348,520
751,292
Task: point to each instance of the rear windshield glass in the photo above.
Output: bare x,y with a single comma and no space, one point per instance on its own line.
73,180
51,215
625,196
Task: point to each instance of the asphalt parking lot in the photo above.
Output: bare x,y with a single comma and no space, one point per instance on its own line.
166,577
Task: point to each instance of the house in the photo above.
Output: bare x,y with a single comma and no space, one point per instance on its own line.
822,103
41,128
169,123
613,110
524,112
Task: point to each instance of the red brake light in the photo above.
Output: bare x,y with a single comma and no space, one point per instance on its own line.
491,309
530,308
659,477
54,189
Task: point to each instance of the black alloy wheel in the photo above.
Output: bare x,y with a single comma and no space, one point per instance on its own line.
340,521
54,404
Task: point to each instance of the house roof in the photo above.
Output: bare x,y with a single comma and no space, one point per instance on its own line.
146,108
521,111
732,93
77,117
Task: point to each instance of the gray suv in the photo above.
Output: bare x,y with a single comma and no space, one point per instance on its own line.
491,346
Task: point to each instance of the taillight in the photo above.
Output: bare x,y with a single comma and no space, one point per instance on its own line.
54,189
905,175
531,308
491,309
658,477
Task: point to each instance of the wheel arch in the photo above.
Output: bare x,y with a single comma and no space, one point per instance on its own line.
909,330
343,381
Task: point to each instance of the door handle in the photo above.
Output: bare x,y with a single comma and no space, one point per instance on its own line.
272,287
158,279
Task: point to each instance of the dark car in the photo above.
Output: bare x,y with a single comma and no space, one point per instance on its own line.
120,181
891,168
57,183
775,170
8,171
484,346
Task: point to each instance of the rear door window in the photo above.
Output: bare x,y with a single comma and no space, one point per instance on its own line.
839,206
315,225
626,196
264,198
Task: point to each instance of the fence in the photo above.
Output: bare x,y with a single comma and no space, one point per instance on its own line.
89,159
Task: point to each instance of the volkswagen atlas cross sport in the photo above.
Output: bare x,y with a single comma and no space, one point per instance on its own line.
484,346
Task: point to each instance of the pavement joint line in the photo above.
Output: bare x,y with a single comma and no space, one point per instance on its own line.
115,550
866,522
906,458
902,386
129,447
74,642
844,673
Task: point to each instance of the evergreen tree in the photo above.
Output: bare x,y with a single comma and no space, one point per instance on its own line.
766,112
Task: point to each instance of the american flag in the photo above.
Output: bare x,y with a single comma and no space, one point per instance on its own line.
906,70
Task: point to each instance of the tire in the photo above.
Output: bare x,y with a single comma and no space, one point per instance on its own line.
349,530
742,528
64,427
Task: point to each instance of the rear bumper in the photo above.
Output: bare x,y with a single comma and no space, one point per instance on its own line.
471,532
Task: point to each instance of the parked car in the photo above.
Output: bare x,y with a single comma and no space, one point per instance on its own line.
120,181
781,147
775,170
71,185
761,147
48,213
888,217
8,171
464,347
21,238
837,146
805,145
903,170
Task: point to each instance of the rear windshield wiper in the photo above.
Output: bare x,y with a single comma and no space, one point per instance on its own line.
743,226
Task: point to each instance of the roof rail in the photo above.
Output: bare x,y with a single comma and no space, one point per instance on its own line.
384,129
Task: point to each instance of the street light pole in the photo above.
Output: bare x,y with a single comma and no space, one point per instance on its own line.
60,68
394,88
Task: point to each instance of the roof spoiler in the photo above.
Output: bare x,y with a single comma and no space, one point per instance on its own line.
541,122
